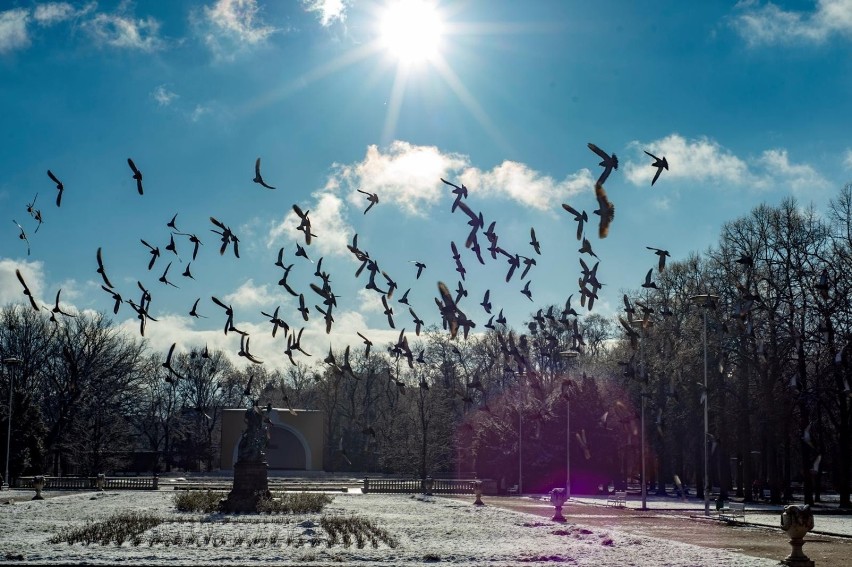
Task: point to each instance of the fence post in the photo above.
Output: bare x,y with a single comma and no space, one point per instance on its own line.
156,482
366,485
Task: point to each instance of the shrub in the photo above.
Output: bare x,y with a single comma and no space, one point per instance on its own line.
206,501
116,529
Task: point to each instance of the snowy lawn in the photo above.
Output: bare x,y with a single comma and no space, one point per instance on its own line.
420,531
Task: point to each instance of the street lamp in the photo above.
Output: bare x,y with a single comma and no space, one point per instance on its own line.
566,386
705,300
642,325
520,375
10,362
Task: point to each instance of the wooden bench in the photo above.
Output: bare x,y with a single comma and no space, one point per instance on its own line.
512,490
732,512
617,498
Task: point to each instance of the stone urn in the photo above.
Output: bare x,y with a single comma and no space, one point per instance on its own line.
558,496
477,491
428,483
100,481
38,486
797,520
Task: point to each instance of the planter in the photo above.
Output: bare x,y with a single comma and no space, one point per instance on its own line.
558,496
38,486
797,520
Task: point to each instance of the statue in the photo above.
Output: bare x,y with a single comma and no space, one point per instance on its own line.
251,484
253,443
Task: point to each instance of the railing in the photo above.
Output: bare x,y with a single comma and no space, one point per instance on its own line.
91,483
416,485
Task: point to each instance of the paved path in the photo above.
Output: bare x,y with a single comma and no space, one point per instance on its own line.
672,519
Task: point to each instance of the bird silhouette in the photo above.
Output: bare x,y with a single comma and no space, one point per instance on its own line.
59,186
418,322
606,210
609,162
368,344
257,177
304,223
173,374
459,192
172,224
27,291
420,267
404,298
171,247
302,309
388,311
660,164
277,322
186,273
57,309
534,242
229,313
373,199
194,240
244,350
501,320
586,248
648,283
578,216
101,269
300,251
23,235
154,251
486,301
137,175
115,296
164,278
194,311
526,291
662,254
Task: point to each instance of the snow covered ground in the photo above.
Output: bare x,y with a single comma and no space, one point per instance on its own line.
427,530
761,514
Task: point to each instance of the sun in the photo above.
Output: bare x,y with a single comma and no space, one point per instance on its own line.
411,30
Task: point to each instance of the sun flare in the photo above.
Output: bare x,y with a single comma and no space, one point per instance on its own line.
411,30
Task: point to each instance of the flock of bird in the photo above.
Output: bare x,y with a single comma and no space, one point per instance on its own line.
482,240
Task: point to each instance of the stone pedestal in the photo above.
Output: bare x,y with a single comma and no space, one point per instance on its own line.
477,491
251,485
558,496
797,520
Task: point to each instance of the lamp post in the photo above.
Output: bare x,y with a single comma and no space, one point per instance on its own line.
520,375
566,386
642,325
705,300
10,362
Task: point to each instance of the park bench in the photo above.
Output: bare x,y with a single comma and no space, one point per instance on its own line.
617,498
732,512
512,489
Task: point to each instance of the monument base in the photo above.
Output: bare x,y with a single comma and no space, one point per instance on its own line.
251,485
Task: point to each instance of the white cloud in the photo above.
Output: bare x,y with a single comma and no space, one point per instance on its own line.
163,96
527,187
13,30
251,295
327,10
230,26
798,176
198,112
847,159
406,175
704,160
701,159
11,290
409,177
768,23
55,12
120,31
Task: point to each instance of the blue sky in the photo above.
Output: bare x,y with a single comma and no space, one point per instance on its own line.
749,103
